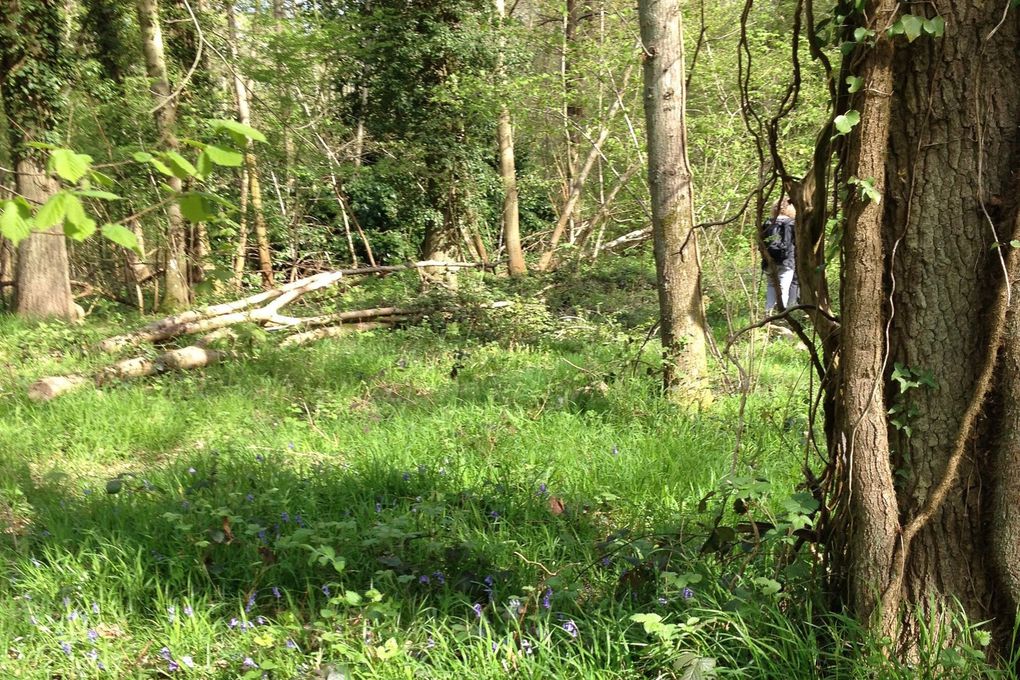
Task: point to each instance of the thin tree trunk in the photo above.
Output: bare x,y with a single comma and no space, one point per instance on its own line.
578,186
676,260
241,250
254,186
508,173
177,292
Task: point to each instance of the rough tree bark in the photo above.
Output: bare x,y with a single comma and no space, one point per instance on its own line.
669,175
177,292
508,173
933,524
33,72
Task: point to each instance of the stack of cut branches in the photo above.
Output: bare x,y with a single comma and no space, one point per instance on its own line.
214,323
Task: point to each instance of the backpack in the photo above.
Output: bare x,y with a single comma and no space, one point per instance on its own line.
775,235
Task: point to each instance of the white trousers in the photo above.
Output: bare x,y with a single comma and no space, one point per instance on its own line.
785,276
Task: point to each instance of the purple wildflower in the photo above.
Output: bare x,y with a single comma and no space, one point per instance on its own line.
262,535
249,663
67,601
606,561
171,614
406,476
261,620
527,646
291,644
250,603
73,616
663,601
284,517
173,666
440,577
378,507
276,592
297,520
430,643
424,579
93,654
188,611
92,635
514,604
542,489
188,661
488,580
95,607
477,609
688,593
325,590
234,623
547,598
570,627
66,647
250,498
165,653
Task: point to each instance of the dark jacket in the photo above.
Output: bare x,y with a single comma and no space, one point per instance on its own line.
777,237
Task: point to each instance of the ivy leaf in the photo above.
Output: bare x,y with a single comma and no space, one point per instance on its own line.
54,210
855,83
861,34
935,27
122,236
845,122
15,220
180,166
867,188
68,165
1015,243
237,130
912,26
225,157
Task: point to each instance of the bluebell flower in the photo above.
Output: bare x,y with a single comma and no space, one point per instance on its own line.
570,627
66,647
67,601
424,579
527,646
92,635
440,577
73,616
291,644
606,561
514,604
188,661
542,489
284,517
250,498
250,604
188,611
477,609
407,476
173,666
378,507
488,580
430,643
547,598
297,520
688,593
171,614
249,663
93,654
165,653
325,590
233,623
261,620
276,592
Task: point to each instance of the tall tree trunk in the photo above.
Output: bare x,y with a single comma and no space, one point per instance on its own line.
241,249
254,186
177,292
42,277
508,172
33,73
931,490
676,258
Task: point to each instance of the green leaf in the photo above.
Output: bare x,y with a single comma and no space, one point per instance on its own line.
15,220
868,189
1015,243
122,236
194,207
204,165
101,195
935,27
861,34
855,83
911,26
226,157
142,156
81,229
102,179
54,210
352,598
69,165
239,129
179,165
845,122
161,167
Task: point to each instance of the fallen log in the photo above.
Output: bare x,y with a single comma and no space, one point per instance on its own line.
181,359
211,318
334,331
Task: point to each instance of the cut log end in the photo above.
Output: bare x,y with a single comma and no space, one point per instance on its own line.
46,389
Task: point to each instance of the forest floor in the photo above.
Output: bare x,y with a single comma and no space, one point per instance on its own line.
401,504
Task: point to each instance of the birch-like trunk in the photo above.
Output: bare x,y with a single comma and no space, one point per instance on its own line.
508,172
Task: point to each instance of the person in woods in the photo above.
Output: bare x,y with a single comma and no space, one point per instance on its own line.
779,254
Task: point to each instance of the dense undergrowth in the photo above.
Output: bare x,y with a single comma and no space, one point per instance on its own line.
484,494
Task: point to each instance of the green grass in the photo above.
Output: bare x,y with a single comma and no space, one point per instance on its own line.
506,520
